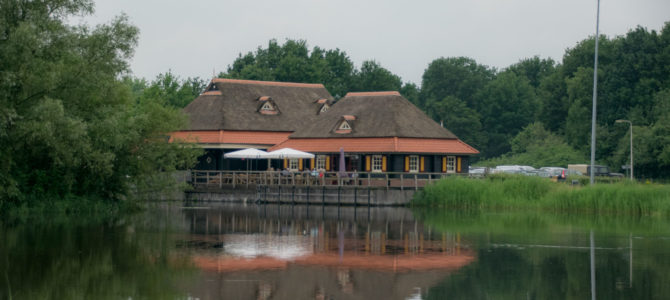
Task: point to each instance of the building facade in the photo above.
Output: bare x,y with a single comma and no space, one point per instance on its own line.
372,131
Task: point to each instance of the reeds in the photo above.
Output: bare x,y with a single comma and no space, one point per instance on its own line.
522,192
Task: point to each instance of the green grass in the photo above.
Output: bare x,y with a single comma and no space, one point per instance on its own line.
534,193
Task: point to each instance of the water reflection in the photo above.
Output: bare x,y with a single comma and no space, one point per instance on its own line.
98,258
312,252
177,251
552,258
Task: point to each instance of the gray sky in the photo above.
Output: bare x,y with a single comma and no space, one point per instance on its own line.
193,38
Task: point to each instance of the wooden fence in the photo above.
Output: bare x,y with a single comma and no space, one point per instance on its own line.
388,180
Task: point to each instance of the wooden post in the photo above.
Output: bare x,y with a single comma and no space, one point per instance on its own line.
416,182
339,191
402,182
355,198
220,179
323,195
387,181
234,179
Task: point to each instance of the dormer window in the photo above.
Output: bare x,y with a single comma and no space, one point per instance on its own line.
212,87
324,108
343,128
267,107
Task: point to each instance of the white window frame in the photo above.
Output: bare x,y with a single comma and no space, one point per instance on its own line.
294,164
320,162
267,106
451,164
414,164
376,163
324,108
345,126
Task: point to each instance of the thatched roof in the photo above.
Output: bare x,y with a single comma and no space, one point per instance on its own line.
374,114
230,104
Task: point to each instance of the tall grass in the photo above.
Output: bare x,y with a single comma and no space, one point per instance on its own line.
626,198
522,192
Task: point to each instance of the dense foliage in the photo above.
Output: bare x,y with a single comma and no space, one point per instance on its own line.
294,62
68,124
488,108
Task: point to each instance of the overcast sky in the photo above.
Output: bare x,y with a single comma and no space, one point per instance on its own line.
195,37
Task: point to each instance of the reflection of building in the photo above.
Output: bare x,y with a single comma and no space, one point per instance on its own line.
379,131
305,257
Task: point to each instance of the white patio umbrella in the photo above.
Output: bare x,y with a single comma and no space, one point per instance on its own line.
250,153
288,153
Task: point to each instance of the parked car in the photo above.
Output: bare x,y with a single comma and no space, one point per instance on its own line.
477,170
598,171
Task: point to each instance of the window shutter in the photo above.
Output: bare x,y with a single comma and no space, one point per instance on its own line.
458,165
406,163
367,163
300,164
421,166
444,164
384,163
311,163
285,163
327,163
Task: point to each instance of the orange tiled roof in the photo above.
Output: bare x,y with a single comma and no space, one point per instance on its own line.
364,94
232,137
378,145
396,263
272,83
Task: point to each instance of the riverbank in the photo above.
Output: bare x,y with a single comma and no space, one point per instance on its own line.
534,193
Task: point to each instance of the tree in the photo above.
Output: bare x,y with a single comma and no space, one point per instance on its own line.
68,124
460,77
373,77
169,89
538,147
293,62
463,121
534,69
507,104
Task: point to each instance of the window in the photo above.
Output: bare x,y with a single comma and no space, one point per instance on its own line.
293,164
344,126
320,162
324,108
376,163
451,164
414,163
267,107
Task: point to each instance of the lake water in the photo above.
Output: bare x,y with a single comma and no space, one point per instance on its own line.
218,251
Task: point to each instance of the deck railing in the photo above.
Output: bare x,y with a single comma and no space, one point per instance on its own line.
396,180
